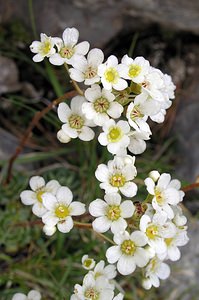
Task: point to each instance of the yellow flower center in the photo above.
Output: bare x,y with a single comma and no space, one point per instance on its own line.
66,52
101,105
88,262
45,47
91,294
117,180
135,113
152,232
115,134
159,197
128,247
113,212
168,241
134,70
111,75
62,211
39,196
76,121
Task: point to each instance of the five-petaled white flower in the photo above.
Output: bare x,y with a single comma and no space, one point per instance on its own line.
165,193
129,251
34,197
155,270
117,176
68,49
115,136
60,209
100,105
100,270
32,295
110,75
92,289
134,69
43,48
156,230
75,123
111,213
86,69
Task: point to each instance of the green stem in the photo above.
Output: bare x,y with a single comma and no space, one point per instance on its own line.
76,86
104,237
32,18
148,198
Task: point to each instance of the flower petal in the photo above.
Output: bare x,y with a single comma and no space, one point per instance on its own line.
127,209
28,197
101,224
77,208
97,208
126,265
66,225
64,195
36,182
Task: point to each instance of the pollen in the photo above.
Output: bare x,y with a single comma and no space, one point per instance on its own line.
134,71
114,135
91,294
101,105
66,52
45,48
90,73
111,75
135,113
76,122
159,197
113,212
128,247
62,211
152,232
39,196
117,180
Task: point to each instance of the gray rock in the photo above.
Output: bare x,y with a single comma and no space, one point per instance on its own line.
99,21
9,79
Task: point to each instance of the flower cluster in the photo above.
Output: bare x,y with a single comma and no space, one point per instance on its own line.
98,283
132,89
120,98
32,295
159,225
53,203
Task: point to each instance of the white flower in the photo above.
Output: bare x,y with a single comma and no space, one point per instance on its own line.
154,175
32,295
129,252
154,271
111,213
49,230
153,83
61,208
117,176
156,229
108,272
134,69
180,239
93,289
68,49
136,118
165,193
75,123
110,75
45,48
101,105
115,136
86,69
63,137
137,143
34,197
87,262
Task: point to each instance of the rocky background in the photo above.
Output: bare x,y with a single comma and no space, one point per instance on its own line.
166,33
